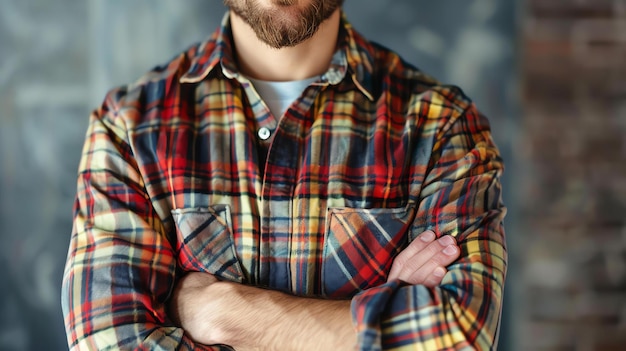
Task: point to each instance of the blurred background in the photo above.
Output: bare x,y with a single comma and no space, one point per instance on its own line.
550,74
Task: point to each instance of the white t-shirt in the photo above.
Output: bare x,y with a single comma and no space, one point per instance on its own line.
278,96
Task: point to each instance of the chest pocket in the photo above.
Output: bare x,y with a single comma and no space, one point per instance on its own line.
359,247
205,242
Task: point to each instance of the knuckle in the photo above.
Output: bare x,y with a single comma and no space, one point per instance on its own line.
432,281
414,247
433,249
399,260
441,259
412,266
415,278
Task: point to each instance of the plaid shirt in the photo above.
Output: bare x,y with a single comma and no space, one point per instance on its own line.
372,154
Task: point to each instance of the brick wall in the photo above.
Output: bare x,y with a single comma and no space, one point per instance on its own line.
573,179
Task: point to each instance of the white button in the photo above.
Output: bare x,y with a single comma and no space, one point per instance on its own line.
264,133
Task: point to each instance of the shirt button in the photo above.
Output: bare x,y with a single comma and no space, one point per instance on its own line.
264,133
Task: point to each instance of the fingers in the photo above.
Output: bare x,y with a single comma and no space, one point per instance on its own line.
421,267
425,259
415,247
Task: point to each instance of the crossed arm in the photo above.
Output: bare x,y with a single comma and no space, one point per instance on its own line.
121,266
249,318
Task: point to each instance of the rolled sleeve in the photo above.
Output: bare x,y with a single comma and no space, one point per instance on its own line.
461,196
121,267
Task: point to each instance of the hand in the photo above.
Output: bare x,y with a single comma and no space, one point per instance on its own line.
248,318
186,308
425,260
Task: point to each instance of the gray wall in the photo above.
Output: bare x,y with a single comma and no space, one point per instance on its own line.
58,58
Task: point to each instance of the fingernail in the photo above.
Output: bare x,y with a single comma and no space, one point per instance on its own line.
446,240
450,250
427,236
439,272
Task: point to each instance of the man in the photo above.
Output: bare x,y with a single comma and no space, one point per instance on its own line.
286,185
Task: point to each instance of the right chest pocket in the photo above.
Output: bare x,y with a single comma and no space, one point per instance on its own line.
205,242
360,246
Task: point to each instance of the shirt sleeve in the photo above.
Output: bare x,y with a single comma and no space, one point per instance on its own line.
121,267
461,197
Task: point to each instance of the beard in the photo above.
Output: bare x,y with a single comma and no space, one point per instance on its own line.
285,23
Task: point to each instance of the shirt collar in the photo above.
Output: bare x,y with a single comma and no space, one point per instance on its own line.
215,52
354,57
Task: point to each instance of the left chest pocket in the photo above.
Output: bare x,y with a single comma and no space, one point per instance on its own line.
205,242
359,247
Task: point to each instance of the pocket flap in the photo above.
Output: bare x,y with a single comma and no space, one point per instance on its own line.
359,247
205,242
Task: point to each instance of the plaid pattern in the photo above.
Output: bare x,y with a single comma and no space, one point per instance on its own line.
371,155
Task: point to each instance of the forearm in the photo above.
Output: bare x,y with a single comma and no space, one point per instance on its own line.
249,318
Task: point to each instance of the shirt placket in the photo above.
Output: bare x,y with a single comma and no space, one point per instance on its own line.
279,233
283,260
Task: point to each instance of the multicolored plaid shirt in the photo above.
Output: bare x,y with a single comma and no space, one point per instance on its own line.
372,154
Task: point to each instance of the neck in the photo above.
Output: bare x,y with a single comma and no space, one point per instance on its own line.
307,59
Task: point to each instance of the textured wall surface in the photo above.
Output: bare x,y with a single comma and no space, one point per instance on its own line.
574,197
58,58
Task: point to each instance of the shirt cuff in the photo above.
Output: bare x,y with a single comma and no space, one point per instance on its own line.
367,308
